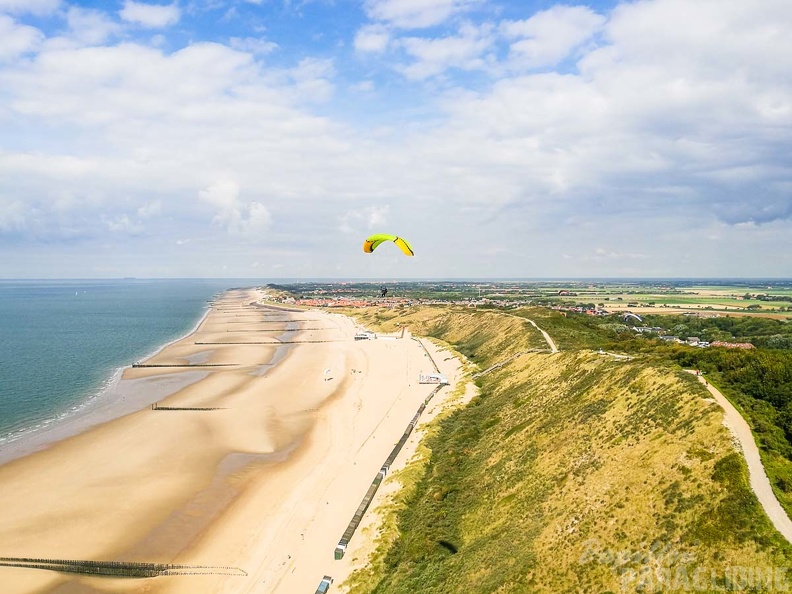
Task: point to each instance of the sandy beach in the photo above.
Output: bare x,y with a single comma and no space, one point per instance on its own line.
255,460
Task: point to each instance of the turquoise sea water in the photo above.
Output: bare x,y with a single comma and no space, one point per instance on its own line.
62,341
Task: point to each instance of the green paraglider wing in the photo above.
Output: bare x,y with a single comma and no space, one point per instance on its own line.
373,242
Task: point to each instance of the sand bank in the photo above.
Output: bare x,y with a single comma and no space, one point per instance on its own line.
265,481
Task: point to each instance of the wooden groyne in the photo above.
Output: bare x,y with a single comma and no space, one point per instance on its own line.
156,406
282,330
118,568
274,342
273,307
274,321
352,527
145,365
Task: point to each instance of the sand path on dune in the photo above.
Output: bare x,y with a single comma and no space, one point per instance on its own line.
760,484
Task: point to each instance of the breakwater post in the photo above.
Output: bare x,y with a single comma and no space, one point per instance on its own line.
118,568
156,406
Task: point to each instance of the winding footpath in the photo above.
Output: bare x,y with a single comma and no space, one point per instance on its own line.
553,348
760,484
499,364
550,343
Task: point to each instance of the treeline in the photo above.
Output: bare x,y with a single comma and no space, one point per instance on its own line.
759,382
761,332
765,297
762,374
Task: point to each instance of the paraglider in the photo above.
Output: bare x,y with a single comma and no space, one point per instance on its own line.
375,240
383,291
632,315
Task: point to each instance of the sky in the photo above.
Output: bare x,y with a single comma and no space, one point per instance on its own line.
503,138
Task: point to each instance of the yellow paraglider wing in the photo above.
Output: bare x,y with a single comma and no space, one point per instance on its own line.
375,240
404,246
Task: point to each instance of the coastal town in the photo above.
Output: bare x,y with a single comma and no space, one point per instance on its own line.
504,297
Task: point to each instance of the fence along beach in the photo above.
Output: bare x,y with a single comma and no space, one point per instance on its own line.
258,465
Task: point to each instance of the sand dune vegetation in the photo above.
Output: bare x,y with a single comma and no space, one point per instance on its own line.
572,472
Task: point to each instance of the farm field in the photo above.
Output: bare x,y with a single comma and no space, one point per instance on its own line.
761,300
755,298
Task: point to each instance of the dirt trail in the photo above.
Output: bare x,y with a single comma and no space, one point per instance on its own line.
553,348
550,343
760,484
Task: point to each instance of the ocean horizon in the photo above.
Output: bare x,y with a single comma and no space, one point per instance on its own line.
66,341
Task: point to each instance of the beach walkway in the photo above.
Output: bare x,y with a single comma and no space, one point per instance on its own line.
218,455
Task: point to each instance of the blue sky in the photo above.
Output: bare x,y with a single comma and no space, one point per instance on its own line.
267,138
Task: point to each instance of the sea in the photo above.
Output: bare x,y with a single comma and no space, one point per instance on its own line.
63,343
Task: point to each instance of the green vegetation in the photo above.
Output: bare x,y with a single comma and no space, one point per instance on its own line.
569,472
757,381
759,384
761,332
388,511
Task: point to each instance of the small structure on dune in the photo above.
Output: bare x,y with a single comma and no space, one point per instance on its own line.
432,378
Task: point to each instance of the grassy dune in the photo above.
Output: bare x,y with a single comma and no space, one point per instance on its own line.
569,473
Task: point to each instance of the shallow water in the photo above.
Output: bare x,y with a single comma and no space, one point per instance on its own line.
64,341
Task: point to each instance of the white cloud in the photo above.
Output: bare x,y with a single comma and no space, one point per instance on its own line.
100,85
434,56
674,127
416,14
36,7
150,15
257,221
149,209
13,215
248,220
653,114
377,215
16,39
367,218
90,27
223,195
253,45
311,78
35,164
549,36
372,38
364,86
123,224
